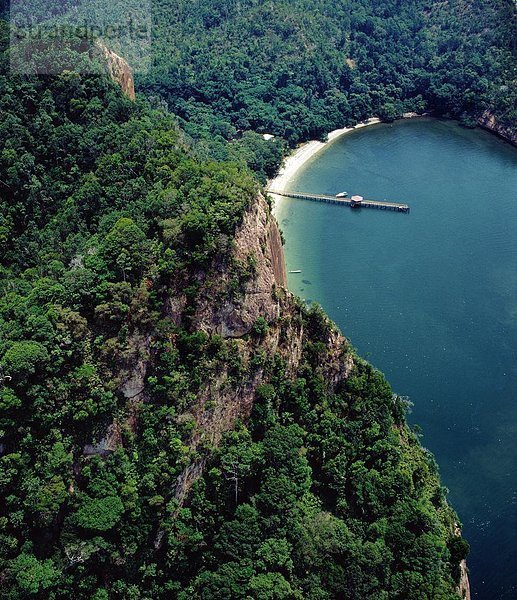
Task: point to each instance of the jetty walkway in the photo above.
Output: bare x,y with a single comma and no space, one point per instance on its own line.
354,201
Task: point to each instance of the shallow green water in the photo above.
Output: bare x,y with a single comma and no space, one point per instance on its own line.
430,298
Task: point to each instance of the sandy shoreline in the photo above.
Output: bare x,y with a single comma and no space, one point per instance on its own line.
305,152
295,161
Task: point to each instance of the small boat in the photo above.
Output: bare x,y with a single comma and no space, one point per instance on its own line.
342,195
298,271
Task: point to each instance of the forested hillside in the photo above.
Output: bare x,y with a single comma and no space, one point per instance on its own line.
173,423
300,68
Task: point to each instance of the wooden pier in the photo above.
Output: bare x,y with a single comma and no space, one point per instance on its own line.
344,201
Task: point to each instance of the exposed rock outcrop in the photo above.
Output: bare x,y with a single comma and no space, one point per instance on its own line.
131,385
490,122
109,443
119,70
463,588
219,405
258,241
464,585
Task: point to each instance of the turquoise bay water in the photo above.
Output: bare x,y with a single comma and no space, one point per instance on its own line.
430,298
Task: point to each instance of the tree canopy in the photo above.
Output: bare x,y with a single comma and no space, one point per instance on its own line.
118,478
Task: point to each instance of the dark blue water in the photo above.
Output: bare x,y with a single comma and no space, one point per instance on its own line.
430,298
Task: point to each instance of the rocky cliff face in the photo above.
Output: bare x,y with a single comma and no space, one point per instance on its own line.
257,243
231,316
265,296
224,398
490,122
119,70
464,586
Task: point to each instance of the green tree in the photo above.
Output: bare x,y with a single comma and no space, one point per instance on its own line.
125,249
99,514
33,576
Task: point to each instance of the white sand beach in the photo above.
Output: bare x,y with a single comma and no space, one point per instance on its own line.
304,153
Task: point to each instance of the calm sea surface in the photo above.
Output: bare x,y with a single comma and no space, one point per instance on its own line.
430,298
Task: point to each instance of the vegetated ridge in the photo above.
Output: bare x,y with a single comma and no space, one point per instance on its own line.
173,422
299,69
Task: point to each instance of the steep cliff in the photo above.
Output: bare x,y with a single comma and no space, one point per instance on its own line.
464,583
257,243
119,70
464,586
173,422
490,122
264,298
287,336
